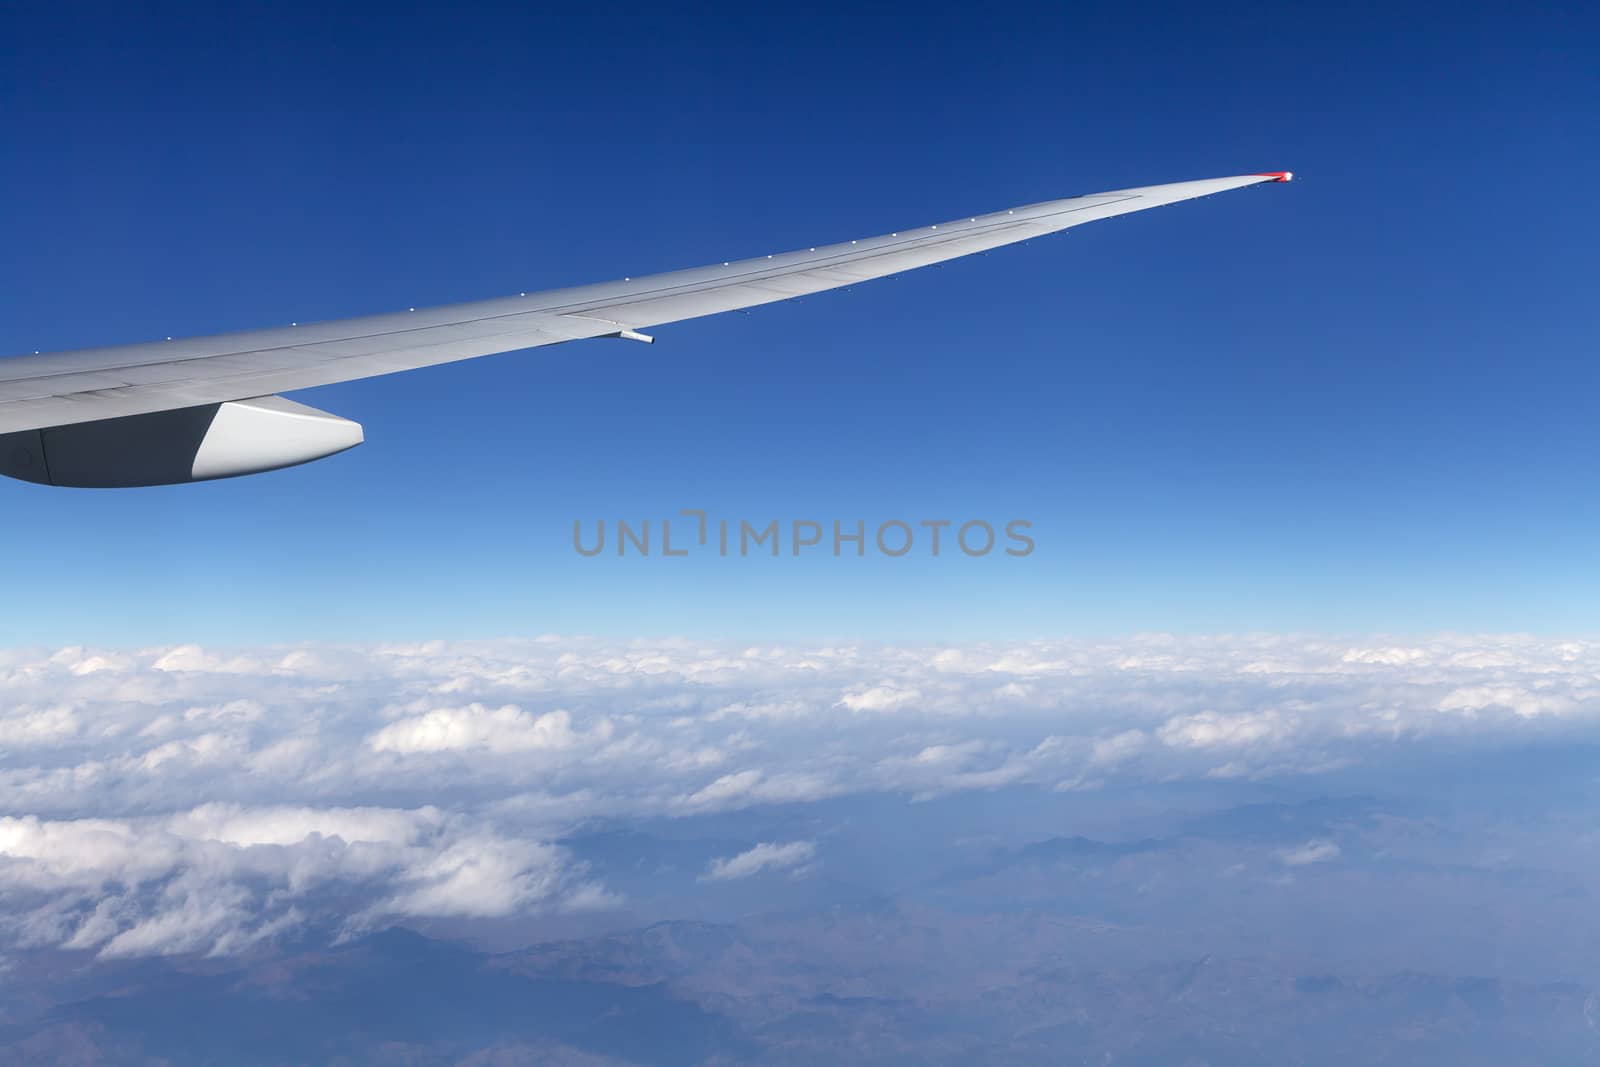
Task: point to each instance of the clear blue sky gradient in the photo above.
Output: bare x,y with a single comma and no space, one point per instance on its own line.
1365,401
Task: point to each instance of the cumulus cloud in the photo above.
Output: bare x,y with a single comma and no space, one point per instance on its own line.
217,878
506,729
27,726
197,799
878,698
764,857
1209,729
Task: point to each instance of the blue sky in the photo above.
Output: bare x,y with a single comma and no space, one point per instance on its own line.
1363,402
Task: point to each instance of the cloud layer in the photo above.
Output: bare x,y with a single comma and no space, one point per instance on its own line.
189,799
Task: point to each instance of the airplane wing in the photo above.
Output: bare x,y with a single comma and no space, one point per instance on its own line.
205,407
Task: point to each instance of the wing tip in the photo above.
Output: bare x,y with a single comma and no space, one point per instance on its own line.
1277,175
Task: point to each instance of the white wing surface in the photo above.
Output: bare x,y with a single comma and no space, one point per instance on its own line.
63,389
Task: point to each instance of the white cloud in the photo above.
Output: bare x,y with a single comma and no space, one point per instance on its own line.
1388,656
1310,852
244,827
506,729
1526,701
27,727
479,877
725,790
1118,747
878,698
191,798
218,877
764,857
1208,729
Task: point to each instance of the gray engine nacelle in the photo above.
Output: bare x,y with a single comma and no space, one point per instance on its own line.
171,447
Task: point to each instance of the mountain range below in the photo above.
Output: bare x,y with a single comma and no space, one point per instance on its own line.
1170,949
867,985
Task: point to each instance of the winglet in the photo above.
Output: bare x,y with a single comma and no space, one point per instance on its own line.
1278,175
